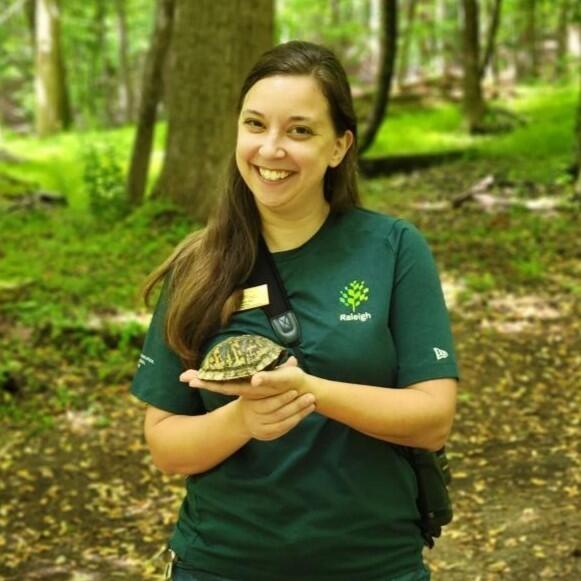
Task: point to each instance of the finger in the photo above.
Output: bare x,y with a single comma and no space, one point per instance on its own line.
272,431
296,408
222,387
290,362
271,404
262,376
280,379
188,375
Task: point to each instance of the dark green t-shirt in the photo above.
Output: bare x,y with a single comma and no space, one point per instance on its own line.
324,501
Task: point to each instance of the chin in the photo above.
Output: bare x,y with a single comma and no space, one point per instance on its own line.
270,204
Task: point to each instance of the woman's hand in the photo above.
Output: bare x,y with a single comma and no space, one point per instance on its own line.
272,417
284,378
270,404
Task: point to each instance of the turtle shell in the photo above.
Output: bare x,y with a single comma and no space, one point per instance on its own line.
241,356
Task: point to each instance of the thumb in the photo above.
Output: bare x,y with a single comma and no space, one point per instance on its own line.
273,375
290,362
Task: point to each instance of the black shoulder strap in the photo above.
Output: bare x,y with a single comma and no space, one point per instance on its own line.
279,311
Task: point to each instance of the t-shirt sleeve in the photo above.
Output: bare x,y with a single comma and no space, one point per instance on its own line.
419,320
156,380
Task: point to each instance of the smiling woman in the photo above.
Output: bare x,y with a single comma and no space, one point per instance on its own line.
295,465
282,159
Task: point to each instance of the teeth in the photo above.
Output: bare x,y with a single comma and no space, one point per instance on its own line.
273,176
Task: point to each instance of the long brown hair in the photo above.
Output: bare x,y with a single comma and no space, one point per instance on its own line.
208,267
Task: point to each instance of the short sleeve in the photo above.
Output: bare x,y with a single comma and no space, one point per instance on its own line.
419,321
156,380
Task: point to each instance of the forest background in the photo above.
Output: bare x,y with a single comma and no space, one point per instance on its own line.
470,124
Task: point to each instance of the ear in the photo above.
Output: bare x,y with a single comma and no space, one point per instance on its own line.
342,145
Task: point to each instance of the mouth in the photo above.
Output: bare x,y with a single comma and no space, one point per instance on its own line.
269,176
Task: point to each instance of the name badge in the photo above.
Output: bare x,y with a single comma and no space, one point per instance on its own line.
255,296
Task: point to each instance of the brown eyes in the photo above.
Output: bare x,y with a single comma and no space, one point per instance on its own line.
303,130
297,129
252,123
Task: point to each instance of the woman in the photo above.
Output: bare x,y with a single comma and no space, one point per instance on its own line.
296,474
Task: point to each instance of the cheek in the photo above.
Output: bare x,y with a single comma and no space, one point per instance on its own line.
243,156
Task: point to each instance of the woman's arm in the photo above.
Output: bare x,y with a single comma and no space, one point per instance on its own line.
419,415
193,444
182,444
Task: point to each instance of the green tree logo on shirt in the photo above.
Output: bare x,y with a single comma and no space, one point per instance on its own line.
354,294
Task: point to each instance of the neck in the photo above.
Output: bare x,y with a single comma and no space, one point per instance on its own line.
288,232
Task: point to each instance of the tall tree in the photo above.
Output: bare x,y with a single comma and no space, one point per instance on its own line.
388,52
30,14
562,38
451,53
577,163
52,105
494,23
528,61
473,100
128,97
214,44
406,40
151,93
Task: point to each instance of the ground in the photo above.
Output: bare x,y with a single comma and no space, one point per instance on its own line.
80,499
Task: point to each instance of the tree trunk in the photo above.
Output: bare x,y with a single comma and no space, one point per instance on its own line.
531,37
406,40
491,37
450,46
562,39
577,164
213,46
151,94
52,105
387,59
341,12
128,97
30,14
473,100
424,16
94,81
528,62
373,39
335,12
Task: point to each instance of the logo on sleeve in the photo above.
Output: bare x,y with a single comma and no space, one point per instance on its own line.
144,360
440,353
352,296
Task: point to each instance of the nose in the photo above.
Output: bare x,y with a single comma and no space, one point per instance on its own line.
270,147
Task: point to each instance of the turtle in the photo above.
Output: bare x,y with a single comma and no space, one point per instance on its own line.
241,356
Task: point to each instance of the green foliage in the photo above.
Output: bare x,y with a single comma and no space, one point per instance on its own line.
91,49
420,129
56,164
530,269
481,282
347,35
72,277
540,150
104,182
543,148
16,70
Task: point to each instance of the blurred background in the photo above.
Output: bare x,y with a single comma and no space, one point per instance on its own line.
116,120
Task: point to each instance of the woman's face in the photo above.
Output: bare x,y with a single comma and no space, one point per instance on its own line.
286,141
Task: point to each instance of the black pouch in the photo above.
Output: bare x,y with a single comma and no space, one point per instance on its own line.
433,475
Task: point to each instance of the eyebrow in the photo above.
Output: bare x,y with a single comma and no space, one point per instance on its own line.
292,118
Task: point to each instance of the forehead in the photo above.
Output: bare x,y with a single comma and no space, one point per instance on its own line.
287,95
